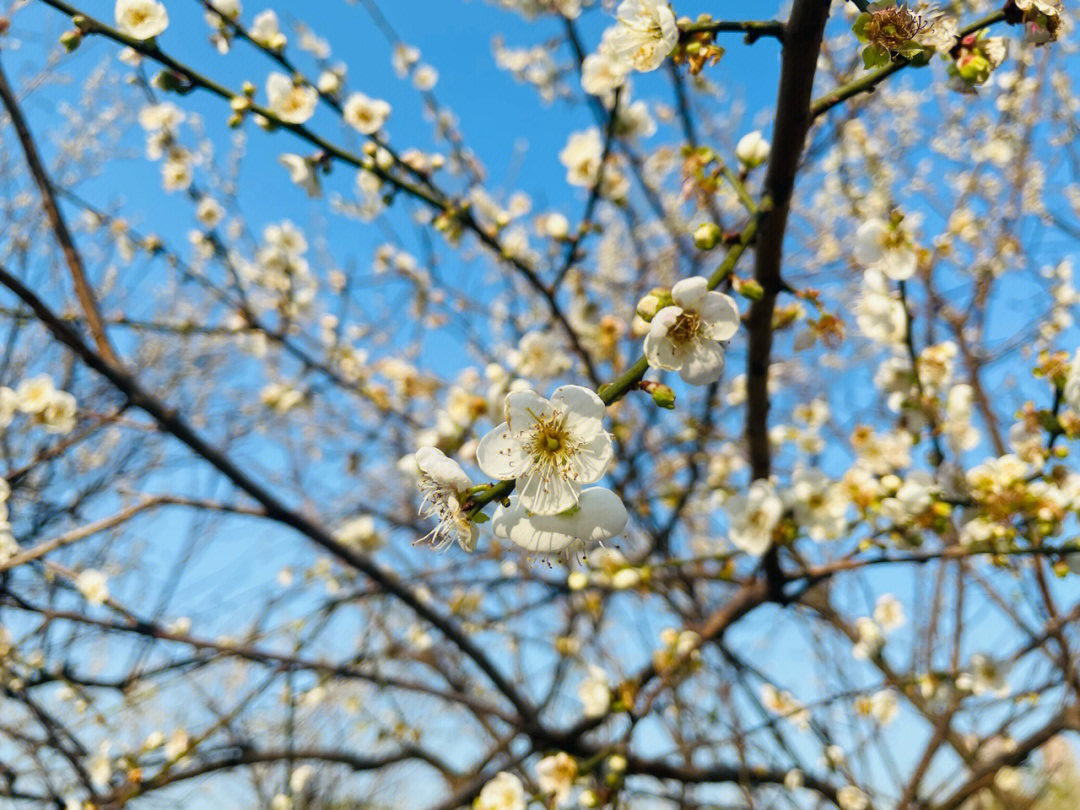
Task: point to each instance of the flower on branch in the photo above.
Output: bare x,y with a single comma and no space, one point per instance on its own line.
551,447
684,336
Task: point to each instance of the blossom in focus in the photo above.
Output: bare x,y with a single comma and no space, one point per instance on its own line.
685,336
292,103
141,19
598,516
644,34
444,484
552,448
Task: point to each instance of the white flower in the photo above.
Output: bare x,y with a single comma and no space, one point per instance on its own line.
595,693
302,173
552,448
887,249
209,212
819,504
365,114
871,639
850,797
884,707
540,354
58,416
9,403
601,74
752,149
879,314
265,31
444,483
889,612
598,516
35,394
93,585
141,19
556,774
1071,391
581,157
291,102
645,34
753,517
504,792
684,337
360,533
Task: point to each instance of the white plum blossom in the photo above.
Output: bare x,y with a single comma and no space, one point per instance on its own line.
444,485
880,246
753,516
685,336
595,692
141,19
266,31
644,35
889,612
504,792
291,102
818,503
879,314
850,797
1071,391
93,585
598,516
302,173
601,74
364,114
552,448
556,774
581,157
752,149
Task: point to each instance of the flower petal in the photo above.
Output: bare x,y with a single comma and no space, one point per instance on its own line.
869,239
444,470
544,534
704,364
601,516
898,263
524,408
662,353
689,292
583,411
591,460
721,315
501,454
547,494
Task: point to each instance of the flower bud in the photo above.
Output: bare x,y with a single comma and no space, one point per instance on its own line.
749,289
707,236
71,40
664,397
648,306
752,150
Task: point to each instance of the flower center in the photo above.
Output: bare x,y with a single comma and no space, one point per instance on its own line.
549,438
685,327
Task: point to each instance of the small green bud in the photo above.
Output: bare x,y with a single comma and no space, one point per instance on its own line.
248,89
750,289
707,236
71,40
81,22
664,397
974,67
234,121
